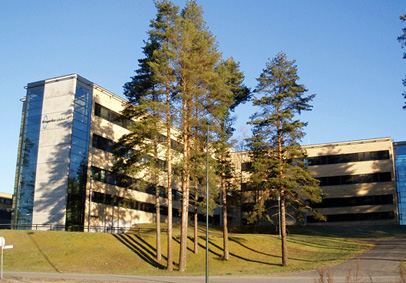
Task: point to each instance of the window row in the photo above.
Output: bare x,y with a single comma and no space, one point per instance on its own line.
351,157
122,202
111,116
102,143
355,179
112,178
108,145
113,200
117,201
335,159
354,201
124,181
6,201
120,120
339,180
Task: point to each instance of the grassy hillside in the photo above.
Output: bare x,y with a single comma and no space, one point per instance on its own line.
133,253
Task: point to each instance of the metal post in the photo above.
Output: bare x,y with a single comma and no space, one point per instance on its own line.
207,204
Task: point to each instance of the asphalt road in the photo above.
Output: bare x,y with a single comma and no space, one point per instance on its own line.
380,264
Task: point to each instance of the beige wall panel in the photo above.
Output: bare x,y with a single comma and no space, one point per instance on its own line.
51,154
106,129
101,159
352,168
108,99
106,216
356,209
349,147
55,188
49,210
53,151
359,190
58,88
57,138
61,104
51,171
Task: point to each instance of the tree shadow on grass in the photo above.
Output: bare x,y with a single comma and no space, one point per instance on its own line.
320,245
220,256
139,247
42,253
236,240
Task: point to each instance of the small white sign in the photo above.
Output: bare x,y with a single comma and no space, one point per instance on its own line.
3,247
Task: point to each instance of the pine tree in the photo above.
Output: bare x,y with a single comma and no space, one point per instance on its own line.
196,57
278,168
230,92
163,30
137,152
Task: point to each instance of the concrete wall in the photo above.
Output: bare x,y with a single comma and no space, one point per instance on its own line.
53,152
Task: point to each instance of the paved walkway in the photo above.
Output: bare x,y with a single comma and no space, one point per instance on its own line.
380,264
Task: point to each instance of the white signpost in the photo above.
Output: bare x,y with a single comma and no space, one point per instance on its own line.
3,247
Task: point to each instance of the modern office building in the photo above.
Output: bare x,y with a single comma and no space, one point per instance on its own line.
64,176
357,179
64,168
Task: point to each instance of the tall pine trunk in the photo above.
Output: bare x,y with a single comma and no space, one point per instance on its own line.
169,265
158,225
196,224
185,187
226,254
282,193
283,230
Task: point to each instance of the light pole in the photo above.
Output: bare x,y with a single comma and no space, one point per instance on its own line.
207,203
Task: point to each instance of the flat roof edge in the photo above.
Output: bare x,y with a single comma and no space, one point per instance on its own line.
373,140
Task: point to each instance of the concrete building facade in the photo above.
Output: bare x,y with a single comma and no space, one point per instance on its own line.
358,180
64,167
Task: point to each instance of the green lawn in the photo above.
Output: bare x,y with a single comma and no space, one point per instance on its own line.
133,253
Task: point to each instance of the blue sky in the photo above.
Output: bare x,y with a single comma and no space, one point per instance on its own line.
346,53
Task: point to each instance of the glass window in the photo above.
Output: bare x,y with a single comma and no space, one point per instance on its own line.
81,109
34,104
102,143
104,113
346,180
33,120
82,93
79,117
34,112
79,134
80,126
383,154
79,142
385,177
36,94
78,150
97,109
76,158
